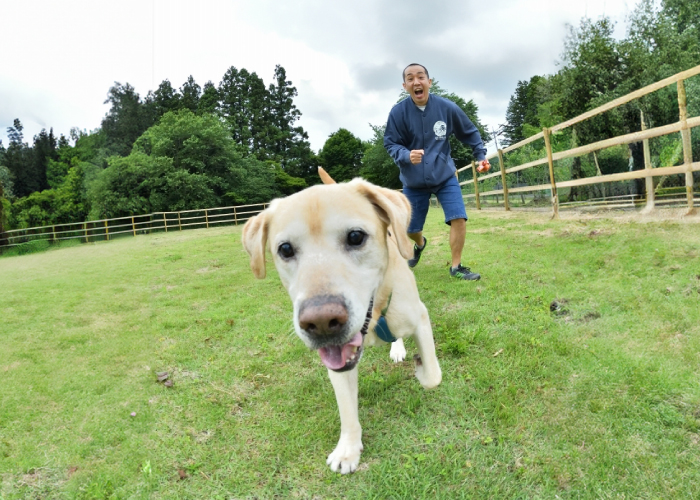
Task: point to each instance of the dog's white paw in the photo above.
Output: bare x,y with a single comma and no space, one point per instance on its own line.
346,456
398,351
429,379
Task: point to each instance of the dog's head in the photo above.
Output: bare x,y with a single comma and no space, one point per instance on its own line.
330,247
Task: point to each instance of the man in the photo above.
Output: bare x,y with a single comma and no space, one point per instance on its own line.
416,137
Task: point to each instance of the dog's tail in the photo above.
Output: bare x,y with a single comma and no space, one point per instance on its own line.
327,179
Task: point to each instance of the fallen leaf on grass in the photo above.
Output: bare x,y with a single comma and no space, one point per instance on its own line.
497,352
182,474
72,471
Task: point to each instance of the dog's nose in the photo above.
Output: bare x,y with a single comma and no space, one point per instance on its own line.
325,315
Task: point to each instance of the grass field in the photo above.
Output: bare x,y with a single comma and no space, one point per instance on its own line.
599,398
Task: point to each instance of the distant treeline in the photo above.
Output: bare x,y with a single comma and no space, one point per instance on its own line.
662,39
187,148
238,142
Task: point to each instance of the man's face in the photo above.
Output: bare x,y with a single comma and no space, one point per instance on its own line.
417,84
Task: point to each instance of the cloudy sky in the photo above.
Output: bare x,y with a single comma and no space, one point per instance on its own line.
59,59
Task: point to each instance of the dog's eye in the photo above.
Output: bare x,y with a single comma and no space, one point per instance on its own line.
356,238
286,250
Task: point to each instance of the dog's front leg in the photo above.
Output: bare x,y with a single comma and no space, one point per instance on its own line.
428,370
346,456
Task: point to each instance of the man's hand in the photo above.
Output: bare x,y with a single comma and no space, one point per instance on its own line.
416,156
483,166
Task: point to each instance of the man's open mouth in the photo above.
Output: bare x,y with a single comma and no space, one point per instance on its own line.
345,357
418,92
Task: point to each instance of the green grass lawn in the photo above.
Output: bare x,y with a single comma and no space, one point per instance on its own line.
598,399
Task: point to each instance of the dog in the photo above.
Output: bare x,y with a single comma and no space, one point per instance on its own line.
341,252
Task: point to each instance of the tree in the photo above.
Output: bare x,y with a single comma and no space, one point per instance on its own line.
18,160
5,190
43,152
377,166
209,101
523,109
186,161
234,104
341,155
165,99
190,93
127,118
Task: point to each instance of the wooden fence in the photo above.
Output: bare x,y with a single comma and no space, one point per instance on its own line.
106,229
682,126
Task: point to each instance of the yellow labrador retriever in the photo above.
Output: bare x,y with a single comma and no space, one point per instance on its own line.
340,251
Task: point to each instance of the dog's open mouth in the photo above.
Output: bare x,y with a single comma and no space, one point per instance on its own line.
342,357
345,357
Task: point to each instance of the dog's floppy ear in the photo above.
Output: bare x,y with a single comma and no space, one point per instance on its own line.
392,207
327,179
255,241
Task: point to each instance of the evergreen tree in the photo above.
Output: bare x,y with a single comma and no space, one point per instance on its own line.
190,94
209,101
341,155
261,128
234,97
43,152
523,109
165,99
127,119
18,160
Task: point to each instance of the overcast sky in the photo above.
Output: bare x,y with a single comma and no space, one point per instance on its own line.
345,58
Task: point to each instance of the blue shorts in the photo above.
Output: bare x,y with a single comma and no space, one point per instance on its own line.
449,194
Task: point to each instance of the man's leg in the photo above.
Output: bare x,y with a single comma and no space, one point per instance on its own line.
450,196
418,237
458,232
420,202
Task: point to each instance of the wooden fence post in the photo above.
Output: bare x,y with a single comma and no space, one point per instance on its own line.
133,225
476,186
687,146
179,222
87,238
235,216
106,230
550,161
647,166
506,201
165,223
206,217
54,233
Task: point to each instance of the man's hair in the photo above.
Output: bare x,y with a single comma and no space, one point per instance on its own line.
415,64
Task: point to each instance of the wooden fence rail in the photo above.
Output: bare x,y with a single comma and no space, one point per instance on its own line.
684,126
106,229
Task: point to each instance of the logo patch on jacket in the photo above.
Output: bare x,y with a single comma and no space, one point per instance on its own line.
440,129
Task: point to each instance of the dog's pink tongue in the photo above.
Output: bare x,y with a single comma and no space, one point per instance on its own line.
335,356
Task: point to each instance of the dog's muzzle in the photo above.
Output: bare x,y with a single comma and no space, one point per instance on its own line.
324,320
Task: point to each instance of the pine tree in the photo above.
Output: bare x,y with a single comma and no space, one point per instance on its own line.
18,160
190,94
234,104
44,150
209,101
127,119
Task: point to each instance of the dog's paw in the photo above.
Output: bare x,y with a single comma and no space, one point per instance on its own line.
429,379
398,351
346,456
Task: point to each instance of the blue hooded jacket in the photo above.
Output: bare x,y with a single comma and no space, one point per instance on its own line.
409,128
